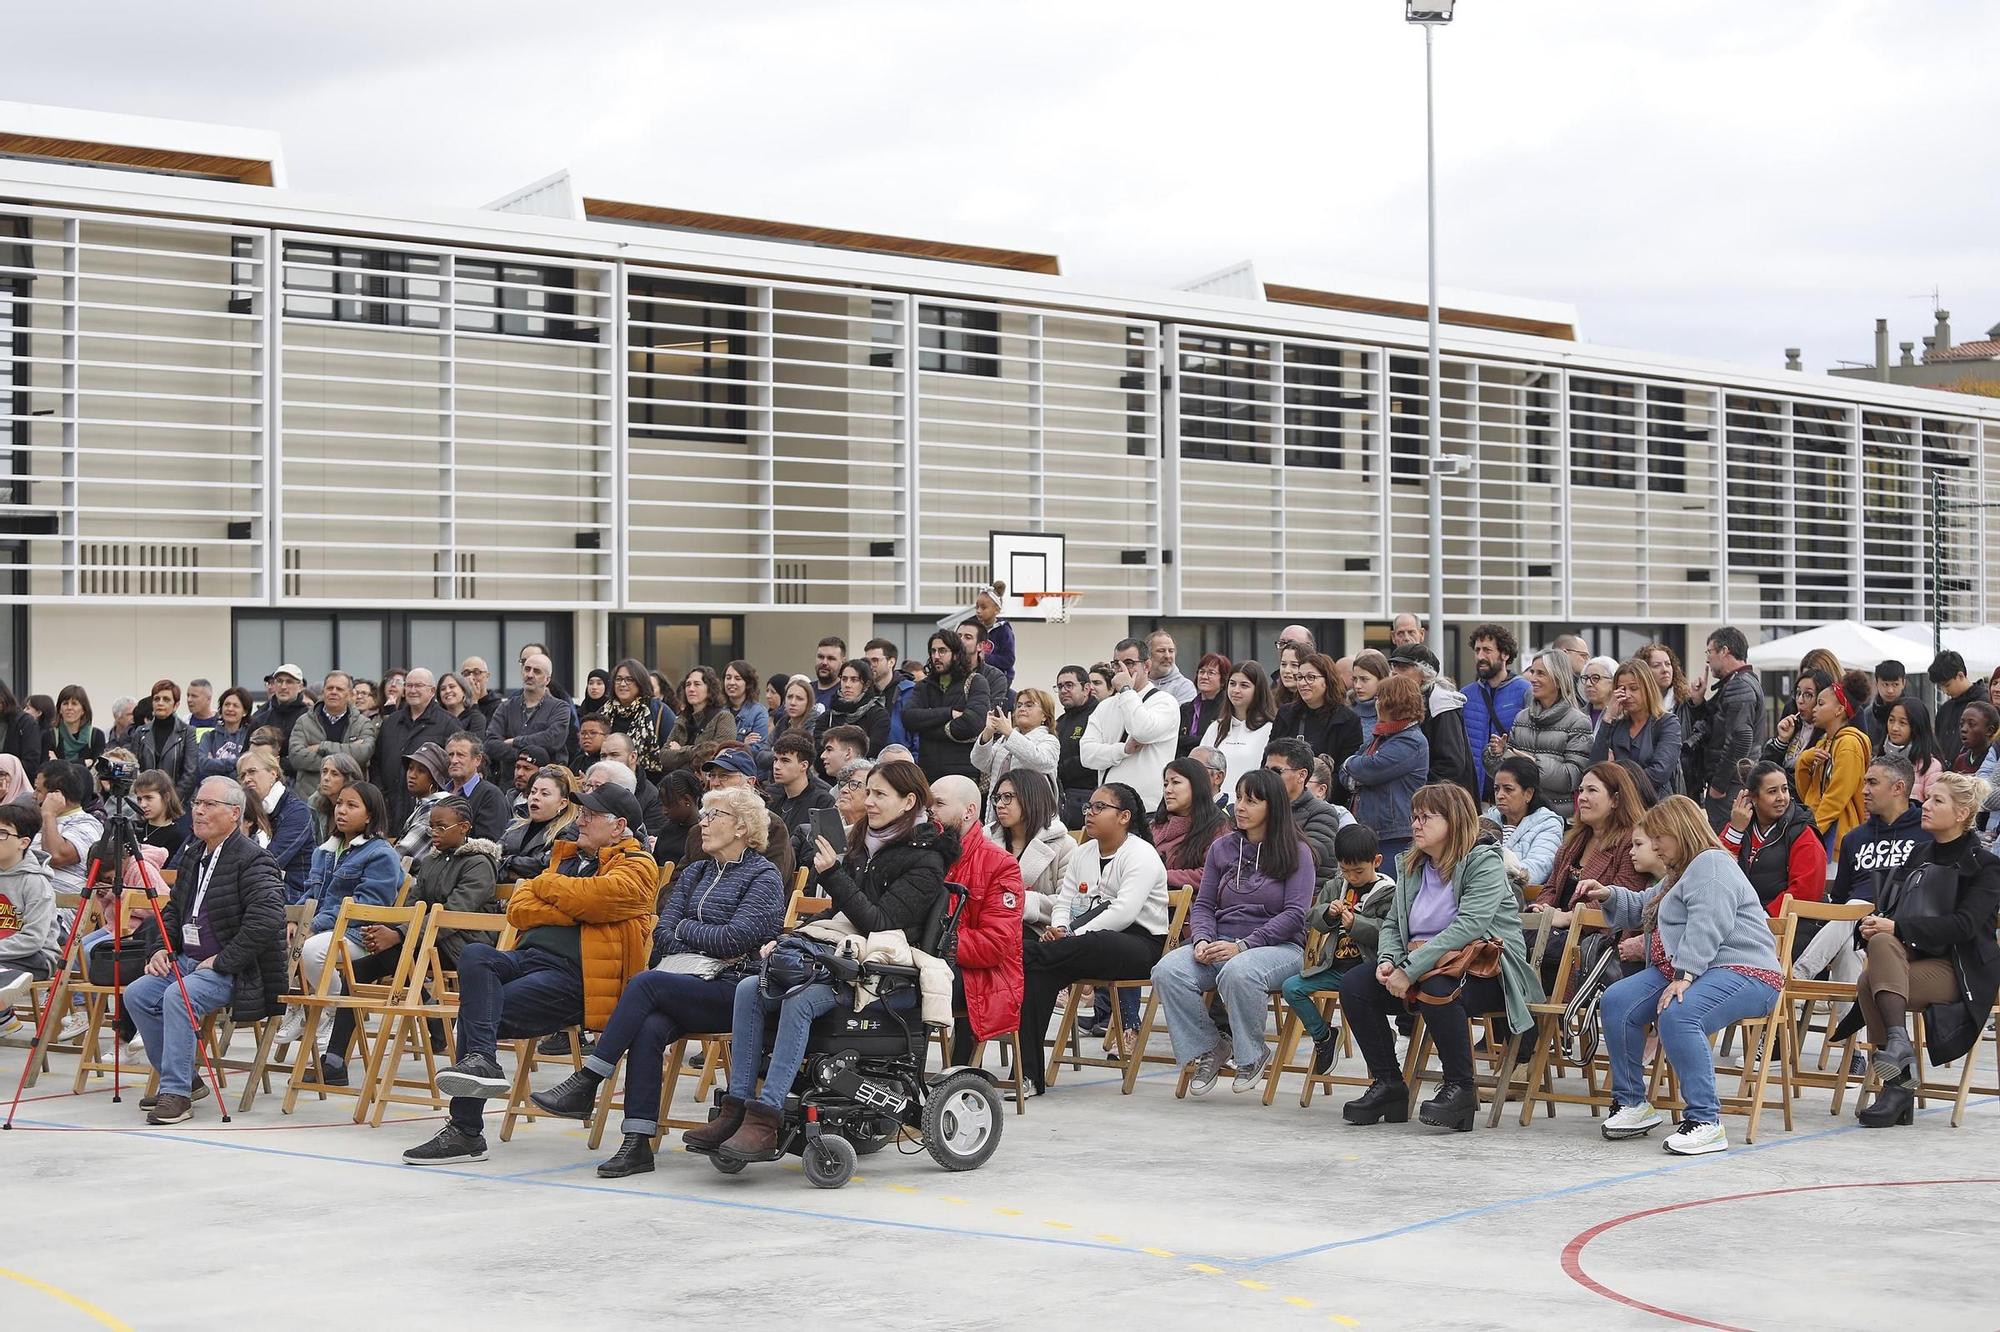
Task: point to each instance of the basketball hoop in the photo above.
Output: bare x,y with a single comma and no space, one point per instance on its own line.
1055,606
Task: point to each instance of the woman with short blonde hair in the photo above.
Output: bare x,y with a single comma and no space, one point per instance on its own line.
1710,961
1930,947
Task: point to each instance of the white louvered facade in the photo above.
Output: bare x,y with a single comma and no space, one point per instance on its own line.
224,395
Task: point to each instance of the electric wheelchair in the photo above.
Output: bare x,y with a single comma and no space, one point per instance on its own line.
863,1081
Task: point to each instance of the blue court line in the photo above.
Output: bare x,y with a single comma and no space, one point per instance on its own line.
725,1204
1570,1191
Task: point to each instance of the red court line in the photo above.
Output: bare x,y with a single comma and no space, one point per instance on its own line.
1572,1254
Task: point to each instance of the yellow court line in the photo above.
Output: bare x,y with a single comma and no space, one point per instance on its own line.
1204,1268
1253,1285
1299,1302
61,1296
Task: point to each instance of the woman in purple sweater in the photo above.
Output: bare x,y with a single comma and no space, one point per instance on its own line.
1247,937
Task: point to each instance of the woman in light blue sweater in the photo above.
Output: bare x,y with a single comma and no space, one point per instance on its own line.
1710,961
1528,827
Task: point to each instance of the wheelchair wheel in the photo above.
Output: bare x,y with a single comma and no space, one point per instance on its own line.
829,1160
962,1121
728,1165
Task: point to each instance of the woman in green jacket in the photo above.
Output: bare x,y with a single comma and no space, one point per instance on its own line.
1450,892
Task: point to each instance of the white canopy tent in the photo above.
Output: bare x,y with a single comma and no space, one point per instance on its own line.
1979,644
1857,646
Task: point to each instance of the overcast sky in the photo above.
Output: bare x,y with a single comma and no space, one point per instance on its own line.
1708,177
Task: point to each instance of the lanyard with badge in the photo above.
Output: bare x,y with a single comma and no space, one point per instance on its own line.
191,927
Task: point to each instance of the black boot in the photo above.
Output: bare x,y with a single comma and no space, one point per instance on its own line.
1385,1099
634,1157
1893,1106
575,1097
1453,1107
717,1131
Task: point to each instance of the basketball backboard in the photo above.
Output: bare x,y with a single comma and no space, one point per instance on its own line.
1028,562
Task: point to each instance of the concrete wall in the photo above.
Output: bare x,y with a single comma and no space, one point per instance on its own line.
117,650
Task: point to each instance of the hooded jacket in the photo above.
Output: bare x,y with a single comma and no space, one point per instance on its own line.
1873,852
989,934
1383,776
1347,944
461,880
611,909
284,716
1240,901
28,910
1444,728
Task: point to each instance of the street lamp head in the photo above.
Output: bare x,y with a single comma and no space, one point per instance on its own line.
1427,11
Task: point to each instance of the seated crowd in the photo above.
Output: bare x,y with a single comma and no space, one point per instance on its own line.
1350,841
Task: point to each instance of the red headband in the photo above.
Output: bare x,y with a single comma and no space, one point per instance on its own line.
1841,696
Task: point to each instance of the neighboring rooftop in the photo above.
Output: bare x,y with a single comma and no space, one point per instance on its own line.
75,137
1397,300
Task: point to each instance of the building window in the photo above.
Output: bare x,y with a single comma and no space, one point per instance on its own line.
1604,434
520,300
689,354
1226,395
885,335
1409,419
353,286
1321,406
367,644
1668,435
957,341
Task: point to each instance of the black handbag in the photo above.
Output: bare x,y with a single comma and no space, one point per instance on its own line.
118,962
1921,892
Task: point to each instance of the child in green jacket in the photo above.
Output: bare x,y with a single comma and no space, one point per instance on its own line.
1349,911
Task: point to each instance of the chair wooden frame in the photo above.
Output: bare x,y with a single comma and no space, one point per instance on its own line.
1803,996
432,993
369,999
715,1045
1773,1035
1540,1086
44,997
1179,902
96,1002
298,918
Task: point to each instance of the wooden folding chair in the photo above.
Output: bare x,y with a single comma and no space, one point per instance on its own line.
366,1000
1179,900
269,1051
431,995
803,906
1766,1040
1803,997
1541,1087
48,1000
97,999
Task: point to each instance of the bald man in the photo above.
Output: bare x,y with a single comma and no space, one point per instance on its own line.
1296,636
988,988
419,721
1405,628
532,717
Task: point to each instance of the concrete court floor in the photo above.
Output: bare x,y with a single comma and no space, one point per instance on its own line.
1125,1212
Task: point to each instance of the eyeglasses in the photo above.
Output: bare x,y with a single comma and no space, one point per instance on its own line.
850,786
1420,816
214,804
1004,798
710,815
1102,807
1596,679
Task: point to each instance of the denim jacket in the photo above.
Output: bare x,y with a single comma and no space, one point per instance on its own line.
369,871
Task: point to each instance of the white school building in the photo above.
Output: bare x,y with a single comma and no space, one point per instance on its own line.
250,423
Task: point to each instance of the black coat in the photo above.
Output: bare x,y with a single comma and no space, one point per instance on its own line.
526,846
1197,714
1964,936
895,888
1950,713
399,737
1333,731
179,757
246,907
21,736
284,716
492,809
869,714
1451,753
947,743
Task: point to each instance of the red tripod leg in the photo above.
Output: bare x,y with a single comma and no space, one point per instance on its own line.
49,1013
194,1021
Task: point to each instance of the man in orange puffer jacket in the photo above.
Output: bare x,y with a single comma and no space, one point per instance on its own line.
988,966
585,927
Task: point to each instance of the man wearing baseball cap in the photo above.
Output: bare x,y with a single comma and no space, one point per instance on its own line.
284,702
1444,717
582,936
730,767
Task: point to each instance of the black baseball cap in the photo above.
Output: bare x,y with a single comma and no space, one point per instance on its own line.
613,800
1413,654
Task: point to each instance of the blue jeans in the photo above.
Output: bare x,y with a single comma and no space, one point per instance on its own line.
657,1009
506,996
162,1019
1245,983
795,1019
1299,992
1718,998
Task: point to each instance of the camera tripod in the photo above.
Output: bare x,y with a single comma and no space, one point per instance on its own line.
119,846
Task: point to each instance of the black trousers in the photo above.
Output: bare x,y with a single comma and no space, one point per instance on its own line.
1050,967
1367,1006
373,967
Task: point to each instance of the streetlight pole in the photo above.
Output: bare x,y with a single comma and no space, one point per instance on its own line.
1436,368
1430,14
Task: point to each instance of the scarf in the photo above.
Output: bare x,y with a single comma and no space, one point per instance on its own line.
72,744
1384,729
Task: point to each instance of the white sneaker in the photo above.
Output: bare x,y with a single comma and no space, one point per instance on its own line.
1202,1072
13,1031
292,1025
1248,1078
74,1026
1692,1139
1632,1121
15,986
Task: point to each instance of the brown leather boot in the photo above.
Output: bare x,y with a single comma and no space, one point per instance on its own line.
718,1130
757,1140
